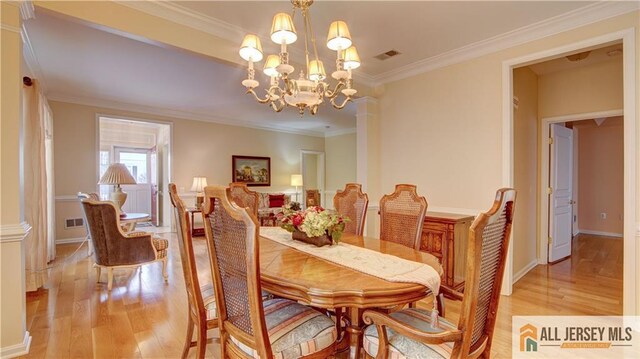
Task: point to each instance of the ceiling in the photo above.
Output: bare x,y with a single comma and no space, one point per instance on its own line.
85,64
595,56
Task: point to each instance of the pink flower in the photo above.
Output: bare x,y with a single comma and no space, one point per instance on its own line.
297,220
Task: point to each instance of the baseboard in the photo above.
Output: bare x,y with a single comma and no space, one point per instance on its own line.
17,349
521,273
70,240
599,233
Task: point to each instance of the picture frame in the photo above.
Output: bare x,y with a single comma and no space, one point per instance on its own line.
251,170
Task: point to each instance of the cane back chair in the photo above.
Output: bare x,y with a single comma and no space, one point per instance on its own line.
402,215
243,197
249,327
202,304
114,249
410,334
352,203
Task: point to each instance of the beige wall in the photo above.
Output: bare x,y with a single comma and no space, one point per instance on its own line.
600,176
199,148
592,88
442,130
525,139
341,161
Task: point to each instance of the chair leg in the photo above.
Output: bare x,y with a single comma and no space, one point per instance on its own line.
201,345
109,278
98,272
164,269
187,341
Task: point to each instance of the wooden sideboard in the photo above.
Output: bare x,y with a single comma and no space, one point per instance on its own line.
445,236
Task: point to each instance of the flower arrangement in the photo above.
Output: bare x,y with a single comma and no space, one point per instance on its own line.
315,221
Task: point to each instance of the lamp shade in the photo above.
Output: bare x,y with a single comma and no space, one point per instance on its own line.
251,48
316,70
296,180
270,66
199,183
339,37
117,173
351,58
282,29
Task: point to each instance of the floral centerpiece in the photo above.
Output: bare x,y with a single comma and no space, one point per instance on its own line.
314,225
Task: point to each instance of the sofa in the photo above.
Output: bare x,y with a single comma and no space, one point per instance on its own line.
269,206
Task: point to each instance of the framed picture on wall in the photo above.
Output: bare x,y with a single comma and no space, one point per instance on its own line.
254,171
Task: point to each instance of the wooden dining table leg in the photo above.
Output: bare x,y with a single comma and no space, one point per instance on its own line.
356,331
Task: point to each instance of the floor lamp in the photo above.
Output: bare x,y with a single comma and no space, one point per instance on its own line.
296,181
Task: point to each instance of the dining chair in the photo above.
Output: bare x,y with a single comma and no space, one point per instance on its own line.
202,304
352,203
243,197
249,326
113,249
402,216
409,333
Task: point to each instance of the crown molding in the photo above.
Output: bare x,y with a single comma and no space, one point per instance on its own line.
552,26
31,59
171,11
176,114
27,11
344,131
10,28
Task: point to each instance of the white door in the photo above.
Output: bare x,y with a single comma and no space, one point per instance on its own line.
138,162
560,201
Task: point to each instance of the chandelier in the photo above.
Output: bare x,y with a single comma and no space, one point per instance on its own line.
310,89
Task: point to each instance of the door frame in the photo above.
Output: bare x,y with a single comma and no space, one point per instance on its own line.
631,257
543,178
114,114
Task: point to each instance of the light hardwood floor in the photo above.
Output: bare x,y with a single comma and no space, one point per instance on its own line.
142,317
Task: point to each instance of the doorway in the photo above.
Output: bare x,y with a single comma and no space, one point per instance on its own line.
144,148
626,37
312,167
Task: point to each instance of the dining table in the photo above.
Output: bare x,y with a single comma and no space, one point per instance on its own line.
290,273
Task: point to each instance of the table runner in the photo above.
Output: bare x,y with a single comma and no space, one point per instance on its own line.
381,265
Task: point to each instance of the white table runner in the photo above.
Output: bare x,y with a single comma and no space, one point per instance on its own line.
381,265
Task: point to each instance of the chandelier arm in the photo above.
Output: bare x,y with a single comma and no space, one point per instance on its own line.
265,100
331,94
342,105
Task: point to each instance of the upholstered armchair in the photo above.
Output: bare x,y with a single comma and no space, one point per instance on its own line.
313,198
115,249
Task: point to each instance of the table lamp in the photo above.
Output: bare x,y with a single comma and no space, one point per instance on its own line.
199,183
117,174
296,181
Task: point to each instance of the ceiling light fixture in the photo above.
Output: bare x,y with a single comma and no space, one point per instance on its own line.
310,90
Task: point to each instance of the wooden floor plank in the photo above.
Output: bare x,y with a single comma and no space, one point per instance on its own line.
144,317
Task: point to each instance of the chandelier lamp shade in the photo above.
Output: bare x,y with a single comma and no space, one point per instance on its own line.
309,89
117,174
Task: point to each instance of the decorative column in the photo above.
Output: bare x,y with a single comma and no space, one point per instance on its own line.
14,338
368,159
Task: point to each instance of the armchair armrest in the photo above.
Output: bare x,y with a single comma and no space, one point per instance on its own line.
451,293
382,320
137,234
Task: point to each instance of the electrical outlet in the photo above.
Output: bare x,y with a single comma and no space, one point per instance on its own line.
603,215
